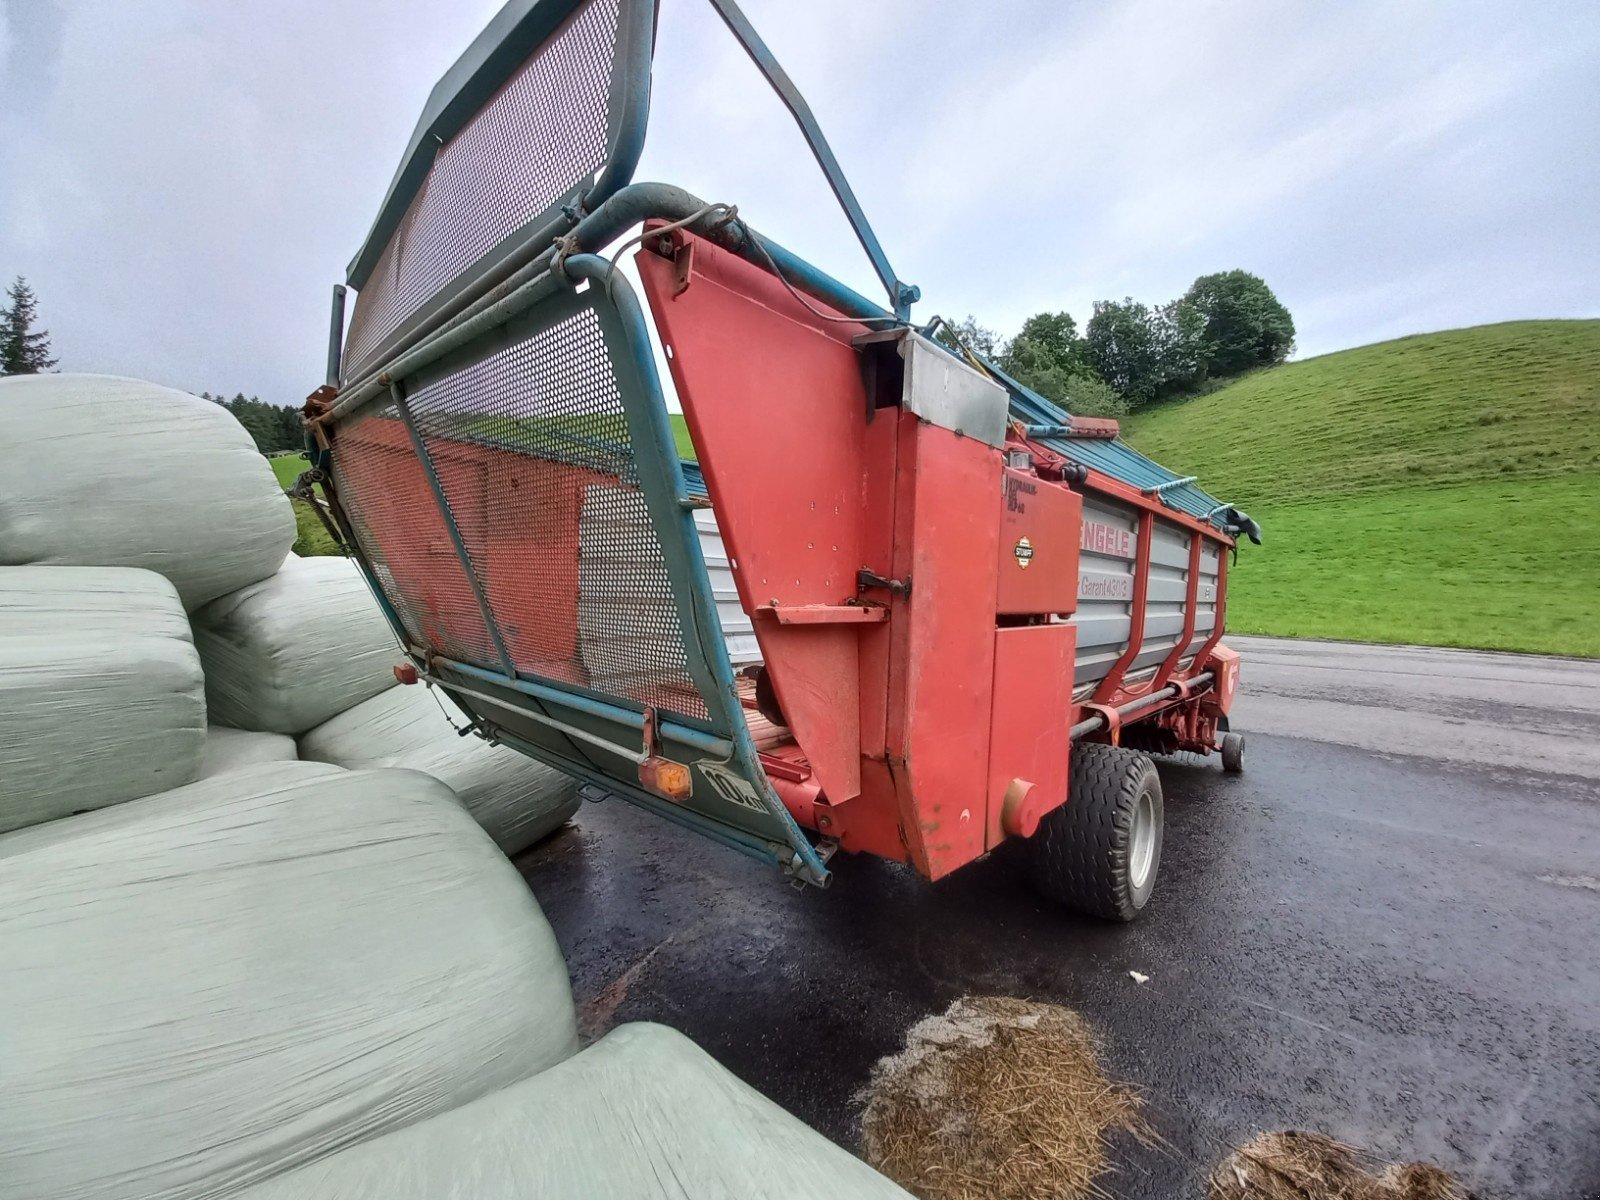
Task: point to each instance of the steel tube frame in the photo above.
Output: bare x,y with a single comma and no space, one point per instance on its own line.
901,295
670,730
336,335
768,851
1136,707
528,284
442,503
661,481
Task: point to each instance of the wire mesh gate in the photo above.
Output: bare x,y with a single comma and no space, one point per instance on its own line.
517,502
521,507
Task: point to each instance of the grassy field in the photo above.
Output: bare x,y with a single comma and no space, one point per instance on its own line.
311,537
1442,489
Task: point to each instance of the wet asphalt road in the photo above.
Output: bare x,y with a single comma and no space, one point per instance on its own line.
1387,929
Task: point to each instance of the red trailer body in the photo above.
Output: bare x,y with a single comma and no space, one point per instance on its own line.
928,717
902,605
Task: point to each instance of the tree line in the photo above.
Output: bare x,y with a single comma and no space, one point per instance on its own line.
1132,354
275,427
25,350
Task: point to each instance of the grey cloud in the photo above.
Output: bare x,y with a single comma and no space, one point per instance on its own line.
183,180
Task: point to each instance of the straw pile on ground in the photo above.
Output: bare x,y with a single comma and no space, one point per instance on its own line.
1309,1166
995,1098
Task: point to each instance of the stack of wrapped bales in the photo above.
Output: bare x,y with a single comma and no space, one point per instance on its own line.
257,968
416,727
101,695
308,653
210,986
105,472
286,653
124,505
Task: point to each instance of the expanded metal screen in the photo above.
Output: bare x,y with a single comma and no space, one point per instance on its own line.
531,450
543,134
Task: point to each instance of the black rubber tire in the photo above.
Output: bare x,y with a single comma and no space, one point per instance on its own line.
1233,753
1080,855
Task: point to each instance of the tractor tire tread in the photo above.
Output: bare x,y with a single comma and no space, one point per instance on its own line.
1079,856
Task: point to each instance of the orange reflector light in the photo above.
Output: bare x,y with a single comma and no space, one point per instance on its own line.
405,672
666,778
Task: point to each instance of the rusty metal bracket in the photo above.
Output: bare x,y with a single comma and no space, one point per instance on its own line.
652,733
867,579
682,266
1110,716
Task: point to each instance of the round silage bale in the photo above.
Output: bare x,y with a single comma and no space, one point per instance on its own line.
97,470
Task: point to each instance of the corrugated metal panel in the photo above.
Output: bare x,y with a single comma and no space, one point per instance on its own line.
1106,586
1109,545
1114,458
693,481
737,628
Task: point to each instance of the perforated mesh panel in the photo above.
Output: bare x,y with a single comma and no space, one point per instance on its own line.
544,133
532,452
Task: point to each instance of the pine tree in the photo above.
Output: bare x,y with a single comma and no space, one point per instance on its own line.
23,351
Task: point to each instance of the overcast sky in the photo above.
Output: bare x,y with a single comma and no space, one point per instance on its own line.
183,180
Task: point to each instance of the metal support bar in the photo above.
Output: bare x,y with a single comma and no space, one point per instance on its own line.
771,852
336,336
1191,606
561,727
901,295
1137,607
1171,483
448,516
1136,707
1220,614
698,739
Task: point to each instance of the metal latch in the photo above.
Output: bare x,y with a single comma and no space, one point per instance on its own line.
866,580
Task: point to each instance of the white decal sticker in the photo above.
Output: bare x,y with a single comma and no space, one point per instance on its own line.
1100,538
731,786
1092,586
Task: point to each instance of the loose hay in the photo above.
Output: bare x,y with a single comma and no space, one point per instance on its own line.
996,1098
1293,1165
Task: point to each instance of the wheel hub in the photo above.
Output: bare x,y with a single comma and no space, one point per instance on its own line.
1142,841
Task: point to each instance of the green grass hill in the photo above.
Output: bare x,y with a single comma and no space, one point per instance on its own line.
1442,489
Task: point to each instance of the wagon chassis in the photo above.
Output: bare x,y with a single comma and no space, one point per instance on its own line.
445,395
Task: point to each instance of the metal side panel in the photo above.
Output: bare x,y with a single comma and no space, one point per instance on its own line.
520,504
1108,546
1166,592
1206,601
737,627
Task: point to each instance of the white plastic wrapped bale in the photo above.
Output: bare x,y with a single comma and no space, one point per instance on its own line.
101,471
211,986
517,800
101,695
235,749
286,653
641,1114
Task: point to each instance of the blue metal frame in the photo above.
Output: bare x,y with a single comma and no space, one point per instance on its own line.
901,295
447,515
514,34
666,495
726,743
496,54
